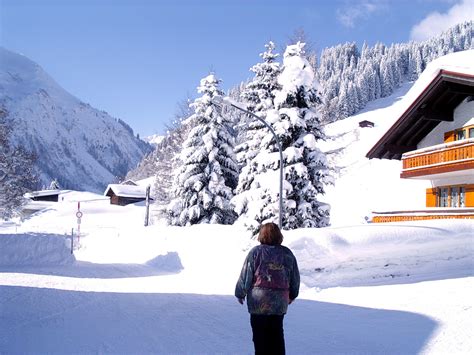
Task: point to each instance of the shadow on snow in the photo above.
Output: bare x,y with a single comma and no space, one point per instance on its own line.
166,264
54,321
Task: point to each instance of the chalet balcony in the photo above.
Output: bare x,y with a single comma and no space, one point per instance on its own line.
442,158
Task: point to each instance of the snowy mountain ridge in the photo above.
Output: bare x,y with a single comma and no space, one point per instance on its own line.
154,139
80,146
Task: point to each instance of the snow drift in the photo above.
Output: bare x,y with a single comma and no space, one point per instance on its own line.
35,249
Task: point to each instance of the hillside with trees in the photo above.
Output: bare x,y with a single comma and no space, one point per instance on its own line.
297,97
351,77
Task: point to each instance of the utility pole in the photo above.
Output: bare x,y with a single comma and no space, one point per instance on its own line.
147,204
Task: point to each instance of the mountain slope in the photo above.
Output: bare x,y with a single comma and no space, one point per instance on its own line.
359,181
82,147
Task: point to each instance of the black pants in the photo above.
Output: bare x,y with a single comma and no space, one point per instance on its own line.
268,338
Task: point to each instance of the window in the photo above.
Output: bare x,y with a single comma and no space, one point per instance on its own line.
462,197
443,197
454,196
461,134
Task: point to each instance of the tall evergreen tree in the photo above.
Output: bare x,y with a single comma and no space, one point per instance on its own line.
251,201
209,173
298,125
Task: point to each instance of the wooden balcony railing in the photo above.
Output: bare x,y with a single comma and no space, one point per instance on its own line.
401,218
422,215
458,155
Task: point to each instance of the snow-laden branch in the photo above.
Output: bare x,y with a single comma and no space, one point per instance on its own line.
219,101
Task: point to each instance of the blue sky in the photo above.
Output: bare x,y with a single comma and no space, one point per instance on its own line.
136,59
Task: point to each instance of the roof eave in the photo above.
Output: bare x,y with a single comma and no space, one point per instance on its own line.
379,150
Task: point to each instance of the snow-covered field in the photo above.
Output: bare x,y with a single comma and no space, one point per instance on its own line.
403,288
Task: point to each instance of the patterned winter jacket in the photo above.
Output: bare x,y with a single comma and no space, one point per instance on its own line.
269,279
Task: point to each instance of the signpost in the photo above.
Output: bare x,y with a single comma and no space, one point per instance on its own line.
79,216
72,240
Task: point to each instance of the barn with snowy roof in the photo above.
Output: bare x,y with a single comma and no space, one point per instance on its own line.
44,195
122,195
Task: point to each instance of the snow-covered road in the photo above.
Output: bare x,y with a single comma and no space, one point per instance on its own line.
396,319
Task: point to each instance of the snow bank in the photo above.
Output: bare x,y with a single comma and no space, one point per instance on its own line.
383,253
168,262
34,249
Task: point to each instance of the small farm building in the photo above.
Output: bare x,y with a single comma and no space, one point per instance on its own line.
125,194
44,195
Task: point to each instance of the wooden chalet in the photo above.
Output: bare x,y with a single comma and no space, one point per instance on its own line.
434,139
125,194
40,200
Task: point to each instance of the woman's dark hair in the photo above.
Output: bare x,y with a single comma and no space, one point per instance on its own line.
270,234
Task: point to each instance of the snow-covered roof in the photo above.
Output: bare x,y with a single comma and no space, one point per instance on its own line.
44,193
126,190
440,88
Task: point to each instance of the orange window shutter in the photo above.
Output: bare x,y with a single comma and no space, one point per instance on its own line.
449,137
431,197
469,195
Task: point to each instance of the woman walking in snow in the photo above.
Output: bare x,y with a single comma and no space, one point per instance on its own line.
270,280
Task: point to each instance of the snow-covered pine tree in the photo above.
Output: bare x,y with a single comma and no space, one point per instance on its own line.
17,172
54,185
167,162
298,125
254,202
237,118
386,77
209,173
300,35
